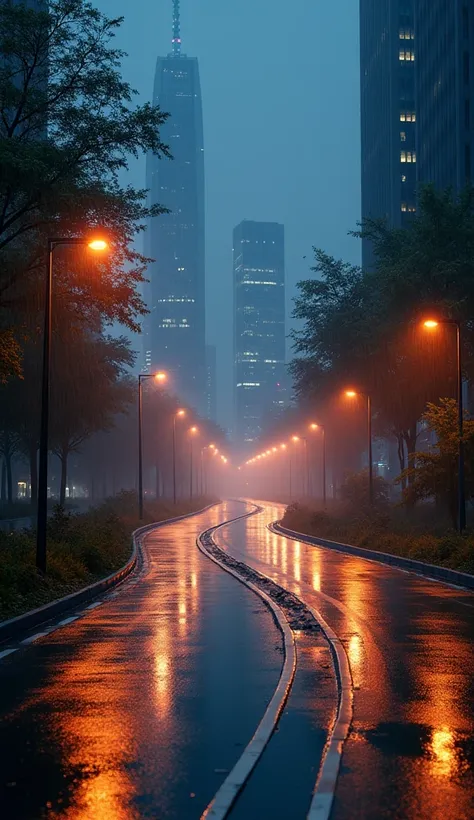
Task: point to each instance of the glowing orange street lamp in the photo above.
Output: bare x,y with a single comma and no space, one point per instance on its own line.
314,428
96,244
433,324
352,394
179,414
161,378
193,432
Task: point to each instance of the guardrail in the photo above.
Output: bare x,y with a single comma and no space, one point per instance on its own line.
443,574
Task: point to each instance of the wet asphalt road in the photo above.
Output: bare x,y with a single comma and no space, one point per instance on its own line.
141,707
410,643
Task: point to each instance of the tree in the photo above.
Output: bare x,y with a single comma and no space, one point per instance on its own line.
434,474
88,394
355,492
363,328
68,125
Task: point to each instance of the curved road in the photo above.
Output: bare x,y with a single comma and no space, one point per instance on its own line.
410,644
141,706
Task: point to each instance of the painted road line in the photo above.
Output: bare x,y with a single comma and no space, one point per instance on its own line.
93,606
33,638
7,652
221,804
67,621
323,797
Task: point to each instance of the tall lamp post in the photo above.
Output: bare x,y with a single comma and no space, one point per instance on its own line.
314,428
96,244
432,324
161,379
204,481
296,439
178,415
193,431
352,394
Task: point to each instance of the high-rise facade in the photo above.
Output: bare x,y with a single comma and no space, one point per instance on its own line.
175,328
259,326
388,113
211,382
445,92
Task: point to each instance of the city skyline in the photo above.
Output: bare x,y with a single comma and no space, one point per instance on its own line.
174,337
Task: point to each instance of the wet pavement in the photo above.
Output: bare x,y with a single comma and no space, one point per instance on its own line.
141,707
410,644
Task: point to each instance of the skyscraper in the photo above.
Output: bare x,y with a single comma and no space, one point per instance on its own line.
211,382
175,327
388,112
445,91
259,326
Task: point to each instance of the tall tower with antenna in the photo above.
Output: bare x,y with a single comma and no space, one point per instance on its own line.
175,327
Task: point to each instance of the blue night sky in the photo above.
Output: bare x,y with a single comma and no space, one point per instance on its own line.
280,85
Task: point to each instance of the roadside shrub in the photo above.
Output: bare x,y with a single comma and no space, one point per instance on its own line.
387,531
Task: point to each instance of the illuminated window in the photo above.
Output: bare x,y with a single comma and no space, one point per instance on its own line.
403,136
407,56
403,156
404,179
404,207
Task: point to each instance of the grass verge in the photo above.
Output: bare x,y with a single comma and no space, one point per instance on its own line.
82,549
390,531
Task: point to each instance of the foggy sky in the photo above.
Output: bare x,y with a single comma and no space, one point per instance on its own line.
280,86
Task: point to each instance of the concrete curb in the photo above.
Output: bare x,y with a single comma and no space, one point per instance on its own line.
434,573
224,799
22,623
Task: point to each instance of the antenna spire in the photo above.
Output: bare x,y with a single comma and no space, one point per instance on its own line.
176,29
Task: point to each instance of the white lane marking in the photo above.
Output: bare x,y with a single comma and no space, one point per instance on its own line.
323,797
7,652
93,606
325,788
221,804
33,638
68,620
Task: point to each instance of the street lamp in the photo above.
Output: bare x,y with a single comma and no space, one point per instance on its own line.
178,415
353,394
296,439
95,244
314,427
193,431
433,324
160,378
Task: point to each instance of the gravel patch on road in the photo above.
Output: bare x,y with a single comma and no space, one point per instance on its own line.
298,615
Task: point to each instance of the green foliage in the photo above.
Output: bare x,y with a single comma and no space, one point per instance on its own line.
355,492
68,126
81,549
363,327
434,474
387,533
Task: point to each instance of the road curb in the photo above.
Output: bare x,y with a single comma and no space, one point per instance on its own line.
22,623
430,571
224,799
